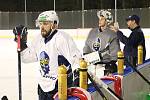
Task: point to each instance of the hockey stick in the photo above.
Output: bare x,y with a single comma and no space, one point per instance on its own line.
97,88
134,68
19,66
103,85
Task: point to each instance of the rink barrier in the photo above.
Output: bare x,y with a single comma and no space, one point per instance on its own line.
78,33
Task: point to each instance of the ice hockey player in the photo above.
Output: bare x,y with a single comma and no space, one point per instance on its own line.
50,48
105,41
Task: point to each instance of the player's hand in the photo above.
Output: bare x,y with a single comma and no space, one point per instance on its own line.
115,27
22,31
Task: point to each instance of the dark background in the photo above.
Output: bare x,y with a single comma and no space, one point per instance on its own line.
67,5
12,12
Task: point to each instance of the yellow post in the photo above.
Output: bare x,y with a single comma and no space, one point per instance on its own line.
140,54
83,74
62,82
120,63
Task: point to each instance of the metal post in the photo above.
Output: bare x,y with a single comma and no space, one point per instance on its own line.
54,5
62,82
25,6
140,54
115,10
82,13
25,10
83,74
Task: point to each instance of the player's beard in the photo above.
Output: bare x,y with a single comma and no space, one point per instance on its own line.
45,33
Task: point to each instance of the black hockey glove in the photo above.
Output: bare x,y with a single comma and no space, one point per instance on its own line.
76,77
110,67
22,31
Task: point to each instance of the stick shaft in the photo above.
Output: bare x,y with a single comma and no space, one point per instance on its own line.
19,67
109,90
97,88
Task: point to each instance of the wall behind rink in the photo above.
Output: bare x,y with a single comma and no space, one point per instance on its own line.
9,65
79,36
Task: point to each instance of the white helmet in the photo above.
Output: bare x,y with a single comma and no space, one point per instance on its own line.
47,16
106,14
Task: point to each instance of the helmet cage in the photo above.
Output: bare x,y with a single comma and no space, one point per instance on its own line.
106,14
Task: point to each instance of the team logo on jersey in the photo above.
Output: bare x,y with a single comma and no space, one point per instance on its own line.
44,62
97,44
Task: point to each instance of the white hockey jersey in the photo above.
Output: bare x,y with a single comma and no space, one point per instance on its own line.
47,55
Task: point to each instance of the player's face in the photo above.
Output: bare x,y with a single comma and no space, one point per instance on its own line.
130,24
102,21
46,28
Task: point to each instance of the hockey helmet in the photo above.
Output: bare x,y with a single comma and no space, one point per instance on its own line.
106,14
48,16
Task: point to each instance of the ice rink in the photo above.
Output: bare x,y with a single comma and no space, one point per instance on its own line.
9,64
9,73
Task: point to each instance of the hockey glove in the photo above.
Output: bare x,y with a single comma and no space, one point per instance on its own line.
76,78
110,67
22,31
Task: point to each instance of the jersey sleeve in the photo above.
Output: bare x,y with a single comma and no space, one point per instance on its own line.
29,54
67,47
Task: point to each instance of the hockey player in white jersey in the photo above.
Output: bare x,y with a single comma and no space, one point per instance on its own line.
50,48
